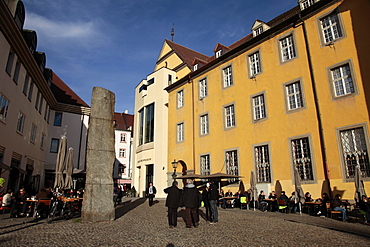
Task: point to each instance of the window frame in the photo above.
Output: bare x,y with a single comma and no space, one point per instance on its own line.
250,64
230,76
312,158
253,107
33,133
5,106
286,99
42,141
319,19
341,151
226,116
180,98
57,122
280,48
204,165
17,71
20,122
26,84
204,126
180,132
122,140
203,88
236,151
9,63
331,81
53,148
267,147
122,153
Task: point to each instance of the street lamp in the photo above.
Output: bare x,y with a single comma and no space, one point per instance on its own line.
174,165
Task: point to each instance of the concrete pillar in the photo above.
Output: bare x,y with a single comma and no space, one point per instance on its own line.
98,198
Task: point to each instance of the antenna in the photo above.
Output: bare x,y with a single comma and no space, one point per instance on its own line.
172,31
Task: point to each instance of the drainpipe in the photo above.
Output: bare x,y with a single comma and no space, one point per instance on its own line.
193,125
317,107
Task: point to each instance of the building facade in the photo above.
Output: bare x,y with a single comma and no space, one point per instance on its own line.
291,94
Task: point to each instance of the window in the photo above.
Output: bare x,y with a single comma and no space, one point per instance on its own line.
122,153
37,100
4,104
204,129
229,116
16,72
294,96
232,166
331,29
169,79
54,145
9,63
342,80
121,170
262,162
46,112
41,104
42,142
123,137
205,166
259,111
254,64
287,48
355,152
58,118
258,31
20,123
218,53
30,91
33,133
146,124
25,86
203,88
180,98
195,67
302,158
180,132
306,3
227,76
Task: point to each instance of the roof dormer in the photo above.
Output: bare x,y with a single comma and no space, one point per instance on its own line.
198,63
31,39
259,27
220,49
304,4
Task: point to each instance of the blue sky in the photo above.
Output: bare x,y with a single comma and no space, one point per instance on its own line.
114,44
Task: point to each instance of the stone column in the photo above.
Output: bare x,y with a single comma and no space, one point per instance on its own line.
98,198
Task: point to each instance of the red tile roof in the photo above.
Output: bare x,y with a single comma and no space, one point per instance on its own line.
65,94
124,121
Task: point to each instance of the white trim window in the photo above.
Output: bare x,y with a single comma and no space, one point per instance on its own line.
227,76
123,137
259,111
4,105
180,98
254,64
180,132
262,161
342,80
20,122
33,133
232,166
195,67
203,91
42,141
205,165
258,30
355,152
287,48
122,153
294,96
218,53
204,125
302,158
330,27
306,3
54,145
229,116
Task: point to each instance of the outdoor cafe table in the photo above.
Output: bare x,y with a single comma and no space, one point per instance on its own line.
32,205
228,198
311,206
271,202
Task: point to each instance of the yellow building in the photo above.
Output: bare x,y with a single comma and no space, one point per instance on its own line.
292,94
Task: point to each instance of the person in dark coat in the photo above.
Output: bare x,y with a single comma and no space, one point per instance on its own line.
213,199
191,200
205,199
150,193
173,202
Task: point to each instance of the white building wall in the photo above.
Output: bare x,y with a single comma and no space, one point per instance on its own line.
154,153
123,145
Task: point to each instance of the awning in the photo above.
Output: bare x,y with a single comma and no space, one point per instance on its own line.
3,166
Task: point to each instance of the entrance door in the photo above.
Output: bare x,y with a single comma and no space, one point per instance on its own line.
149,174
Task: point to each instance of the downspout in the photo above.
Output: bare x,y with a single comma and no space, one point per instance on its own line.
193,125
317,108
79,146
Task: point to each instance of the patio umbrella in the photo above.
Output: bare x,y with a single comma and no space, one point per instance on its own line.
254,194
241,187
68,183
219,176
190,176
59,165
299,194
360,190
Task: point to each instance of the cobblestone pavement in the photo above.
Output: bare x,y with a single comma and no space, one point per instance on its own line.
137,224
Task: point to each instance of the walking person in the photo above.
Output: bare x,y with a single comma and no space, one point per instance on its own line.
205,199
191,200
173,202
150,193
213,199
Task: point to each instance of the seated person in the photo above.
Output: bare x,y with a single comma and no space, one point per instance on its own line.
307,197
221,200
43,194
229,203
10,202
292,204
284,197
238,194
364,205
336,205
261,198
229,193
272,195
21,199
322,207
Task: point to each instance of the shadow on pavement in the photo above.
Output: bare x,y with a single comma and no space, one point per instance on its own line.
20,228
127,206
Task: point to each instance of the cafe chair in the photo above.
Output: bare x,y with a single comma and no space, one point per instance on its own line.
3,208
42,208
332,212
244,202
282,207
